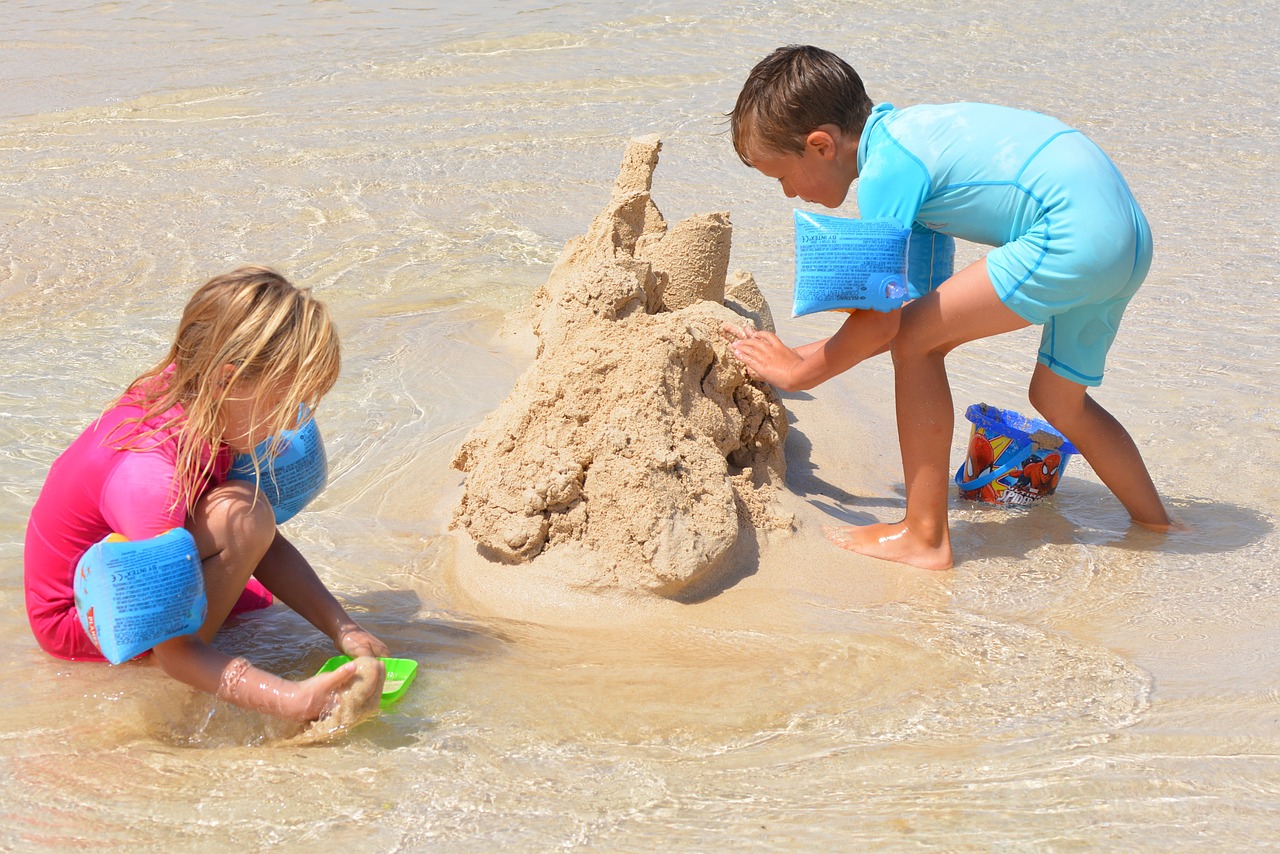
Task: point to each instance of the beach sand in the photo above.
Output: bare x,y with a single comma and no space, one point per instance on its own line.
634,454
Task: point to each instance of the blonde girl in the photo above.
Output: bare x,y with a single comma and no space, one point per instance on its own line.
252,351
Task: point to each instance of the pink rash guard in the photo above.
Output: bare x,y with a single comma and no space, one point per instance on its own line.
94,488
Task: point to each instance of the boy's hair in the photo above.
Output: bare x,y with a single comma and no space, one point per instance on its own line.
277,337
791,92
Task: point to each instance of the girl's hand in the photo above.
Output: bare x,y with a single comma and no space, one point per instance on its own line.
321,694
315,697
355,642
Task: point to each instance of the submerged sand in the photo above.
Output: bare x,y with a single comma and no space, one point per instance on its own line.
634,454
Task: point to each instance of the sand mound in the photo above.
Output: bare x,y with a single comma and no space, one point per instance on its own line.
635,441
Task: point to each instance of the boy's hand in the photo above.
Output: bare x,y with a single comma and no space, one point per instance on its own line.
764,355
734,334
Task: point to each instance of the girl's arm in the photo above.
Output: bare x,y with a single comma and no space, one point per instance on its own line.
863,334
286,573
189,659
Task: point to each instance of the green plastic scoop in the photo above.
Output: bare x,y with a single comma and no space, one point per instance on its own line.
400,673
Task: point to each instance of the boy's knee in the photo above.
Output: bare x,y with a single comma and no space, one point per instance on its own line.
919,336
903,346
909,345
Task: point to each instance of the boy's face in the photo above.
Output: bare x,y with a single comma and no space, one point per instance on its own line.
821,174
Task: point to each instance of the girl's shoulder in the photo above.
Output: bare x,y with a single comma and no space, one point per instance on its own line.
127,426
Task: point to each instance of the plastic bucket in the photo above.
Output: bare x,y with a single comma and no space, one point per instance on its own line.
1011,459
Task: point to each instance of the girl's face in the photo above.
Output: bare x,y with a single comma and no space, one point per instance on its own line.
248,412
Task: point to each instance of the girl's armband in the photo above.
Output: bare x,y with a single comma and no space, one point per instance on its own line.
292,468
133,594
844,264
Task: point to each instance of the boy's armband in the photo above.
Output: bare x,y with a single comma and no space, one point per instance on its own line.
844,264
931,258
292,469
133,594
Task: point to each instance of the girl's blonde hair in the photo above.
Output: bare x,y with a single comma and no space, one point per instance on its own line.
276,337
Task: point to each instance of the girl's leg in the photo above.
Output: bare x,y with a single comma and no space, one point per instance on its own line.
237,538
964,308
232,532
1101,440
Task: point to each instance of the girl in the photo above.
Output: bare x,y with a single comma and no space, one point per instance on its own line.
251,349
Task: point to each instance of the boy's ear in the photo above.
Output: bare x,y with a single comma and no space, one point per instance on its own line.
821,143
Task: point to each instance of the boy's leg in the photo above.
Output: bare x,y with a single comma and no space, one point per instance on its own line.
232,532
964,308
1103,441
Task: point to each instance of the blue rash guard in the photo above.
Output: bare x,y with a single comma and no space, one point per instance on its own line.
1072,245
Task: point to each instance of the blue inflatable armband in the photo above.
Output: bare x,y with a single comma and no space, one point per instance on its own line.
131,595
844,264
931,259
295,475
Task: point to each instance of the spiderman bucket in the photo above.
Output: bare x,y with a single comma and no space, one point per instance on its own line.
1012,459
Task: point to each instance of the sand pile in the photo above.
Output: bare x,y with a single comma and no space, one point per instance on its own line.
634,447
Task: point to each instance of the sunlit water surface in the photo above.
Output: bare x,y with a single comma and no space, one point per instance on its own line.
1072,683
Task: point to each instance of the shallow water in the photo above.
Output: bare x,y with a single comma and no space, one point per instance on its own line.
1073,683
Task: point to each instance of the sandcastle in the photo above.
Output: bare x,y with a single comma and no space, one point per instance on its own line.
634,446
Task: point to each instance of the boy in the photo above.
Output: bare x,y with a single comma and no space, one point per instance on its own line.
1072,246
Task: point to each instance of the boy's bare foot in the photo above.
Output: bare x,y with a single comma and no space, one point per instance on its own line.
892,542
1170,525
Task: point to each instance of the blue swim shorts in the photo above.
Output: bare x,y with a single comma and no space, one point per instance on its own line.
1076,268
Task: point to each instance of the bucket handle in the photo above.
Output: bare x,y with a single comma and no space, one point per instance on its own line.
1015,455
